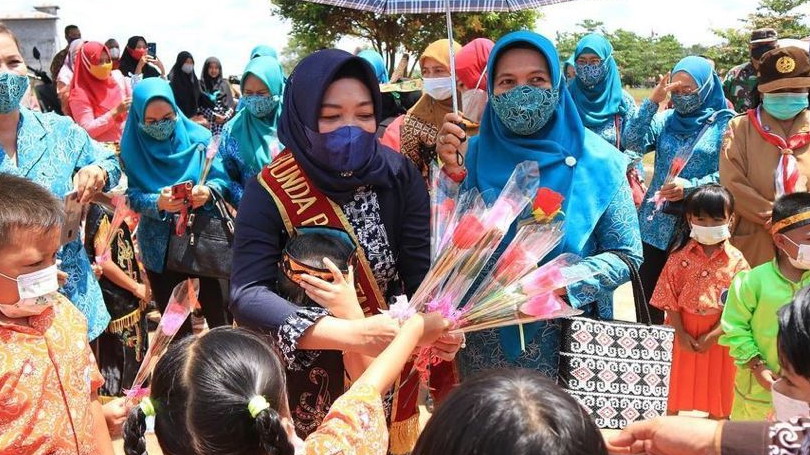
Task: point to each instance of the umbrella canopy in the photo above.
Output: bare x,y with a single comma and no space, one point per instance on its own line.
438,6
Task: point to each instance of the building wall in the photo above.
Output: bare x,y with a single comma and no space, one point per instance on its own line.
35,32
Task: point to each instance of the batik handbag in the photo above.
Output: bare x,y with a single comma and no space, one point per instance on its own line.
618,371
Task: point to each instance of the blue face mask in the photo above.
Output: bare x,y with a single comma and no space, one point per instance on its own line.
260,105
526,109
160,130
345,150
12,89
686,104
784,106
591,74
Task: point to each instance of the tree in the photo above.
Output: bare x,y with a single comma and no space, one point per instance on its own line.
316,26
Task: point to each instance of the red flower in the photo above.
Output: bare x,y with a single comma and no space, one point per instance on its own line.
547,204
677,166
468,232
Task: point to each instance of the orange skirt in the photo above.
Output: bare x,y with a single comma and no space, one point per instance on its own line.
701,381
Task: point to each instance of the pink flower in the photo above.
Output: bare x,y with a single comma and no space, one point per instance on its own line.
501,214
542,305
171,321
468,232
541,281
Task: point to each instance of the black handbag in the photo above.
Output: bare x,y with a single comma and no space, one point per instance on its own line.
205,248
618,371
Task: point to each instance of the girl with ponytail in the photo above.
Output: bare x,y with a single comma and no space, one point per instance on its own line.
238,399
167,403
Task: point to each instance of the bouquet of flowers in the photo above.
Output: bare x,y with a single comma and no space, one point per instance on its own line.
678,163
181,304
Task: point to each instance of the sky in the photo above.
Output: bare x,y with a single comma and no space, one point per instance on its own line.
231,28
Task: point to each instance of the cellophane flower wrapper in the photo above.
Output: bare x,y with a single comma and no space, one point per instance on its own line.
121,212
474,240
210,153
443,196
182,302
675,168
535,291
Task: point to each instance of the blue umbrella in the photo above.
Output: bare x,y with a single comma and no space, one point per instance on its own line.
440,6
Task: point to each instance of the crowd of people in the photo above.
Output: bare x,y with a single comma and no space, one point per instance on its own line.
319,180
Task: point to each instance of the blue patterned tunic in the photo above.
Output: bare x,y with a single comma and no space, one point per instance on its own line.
50,149
238,171
607,131
646,132
616,230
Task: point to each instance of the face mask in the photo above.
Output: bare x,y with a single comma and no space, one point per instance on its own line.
344,150
32,287
710,235
686,104
160,130
474,101
187,68
137,54
260,105
525,109
786,407
12,89
802,261
438,88
784,106
591,74
115,53
101,72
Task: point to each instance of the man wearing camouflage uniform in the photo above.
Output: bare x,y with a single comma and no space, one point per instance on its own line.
740,85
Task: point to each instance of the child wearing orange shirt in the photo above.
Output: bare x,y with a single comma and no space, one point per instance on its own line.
48,377
692,290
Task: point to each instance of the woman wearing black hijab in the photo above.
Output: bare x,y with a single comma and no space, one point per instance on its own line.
185,85
136,61
217,101
335,173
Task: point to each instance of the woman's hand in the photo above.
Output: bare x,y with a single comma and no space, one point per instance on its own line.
97,270
167,203
200,195
429,327
156,61
141,292
88,182
450,142
115,413
141,63
339,296
664,87
673,192
123,107
376,333
448,345
667,436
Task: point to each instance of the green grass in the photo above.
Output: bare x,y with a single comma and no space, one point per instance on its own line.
639,93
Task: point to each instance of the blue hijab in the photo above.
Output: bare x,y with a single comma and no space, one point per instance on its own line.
377,62
711,96
600,103
263,51
257,136
588,187
152,165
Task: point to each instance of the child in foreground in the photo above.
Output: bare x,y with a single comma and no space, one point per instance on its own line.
48,401
749,320
691,290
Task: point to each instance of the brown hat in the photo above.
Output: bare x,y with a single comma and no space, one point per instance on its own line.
784,67
763,36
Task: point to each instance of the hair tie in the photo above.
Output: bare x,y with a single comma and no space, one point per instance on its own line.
148,407
256,405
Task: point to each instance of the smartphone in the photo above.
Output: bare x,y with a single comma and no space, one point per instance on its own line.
73,218
151,49
182,190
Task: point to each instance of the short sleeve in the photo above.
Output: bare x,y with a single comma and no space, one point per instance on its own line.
355,424
666,292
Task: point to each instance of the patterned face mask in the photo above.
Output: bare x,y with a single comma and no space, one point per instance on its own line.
12,89
526,109
160,130
686,104
591,74
260,105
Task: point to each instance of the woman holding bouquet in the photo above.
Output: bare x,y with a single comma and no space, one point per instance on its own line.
531,116
697,124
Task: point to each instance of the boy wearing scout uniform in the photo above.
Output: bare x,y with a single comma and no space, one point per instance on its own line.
765,151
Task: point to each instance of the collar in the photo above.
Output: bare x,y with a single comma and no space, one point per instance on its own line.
805,276
693,247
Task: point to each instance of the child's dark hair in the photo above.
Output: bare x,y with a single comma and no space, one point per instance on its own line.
788,206
169,397
26,206
227,368
711,200
510,412
310,248
794,334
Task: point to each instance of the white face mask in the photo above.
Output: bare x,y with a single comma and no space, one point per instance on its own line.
188,68
30,287
474,101
710,235
438,88
802,261
115,53
786,407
